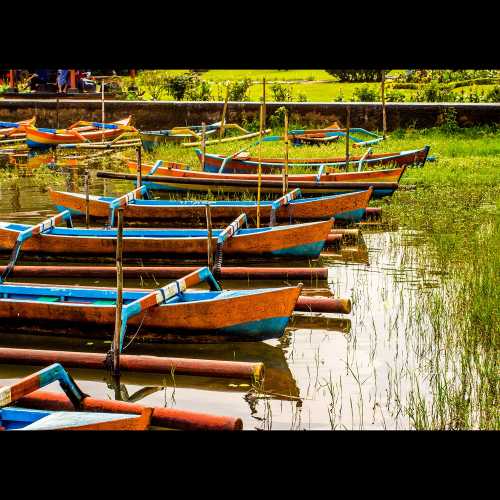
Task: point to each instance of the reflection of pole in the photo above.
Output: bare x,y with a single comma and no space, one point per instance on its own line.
210,256
384,123
87,200
119,293
203,144
139,166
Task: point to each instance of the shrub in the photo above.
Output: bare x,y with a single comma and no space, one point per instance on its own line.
433,92
277,119
281,93
358,75
365,94
493,95
302,98
180,85
203,92
394,96
155,82
238,90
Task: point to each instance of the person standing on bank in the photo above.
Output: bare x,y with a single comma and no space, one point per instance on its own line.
62,80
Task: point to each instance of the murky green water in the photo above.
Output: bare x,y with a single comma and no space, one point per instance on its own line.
328,371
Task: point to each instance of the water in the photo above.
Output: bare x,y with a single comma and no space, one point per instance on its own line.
327,371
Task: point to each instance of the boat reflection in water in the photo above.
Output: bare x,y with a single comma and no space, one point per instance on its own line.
278,377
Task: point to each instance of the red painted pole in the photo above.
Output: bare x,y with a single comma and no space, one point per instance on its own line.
323,304
134,363
373,213
162,417
11,79
236,273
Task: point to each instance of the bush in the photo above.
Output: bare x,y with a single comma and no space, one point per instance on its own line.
358,75
493,95
433,92
394,96
180,85
203,92
281,93
302,98
277,119
238,90
365,94
155,82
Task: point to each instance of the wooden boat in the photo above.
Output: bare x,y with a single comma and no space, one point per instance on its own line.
333,133
223,186
15,130
347,207
244,163
297,240
75,134
187,316
172,169
25,419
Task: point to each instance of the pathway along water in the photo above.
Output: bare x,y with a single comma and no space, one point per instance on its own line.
353,372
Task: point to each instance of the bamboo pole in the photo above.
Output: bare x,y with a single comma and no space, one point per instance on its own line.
139,166
261,128
347,131
87,198
384,122
57,111
203,144
102,108
224,110
285,170
210,256
119,293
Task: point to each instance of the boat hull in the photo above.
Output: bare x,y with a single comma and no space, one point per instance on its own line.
223,316
214,162
40,139
386,175
349,207
299,240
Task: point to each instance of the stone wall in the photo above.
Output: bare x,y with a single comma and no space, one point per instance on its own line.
167,114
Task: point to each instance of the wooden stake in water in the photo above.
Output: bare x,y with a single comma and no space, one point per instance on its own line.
382,90
139,166
259,181
210,256
285,170
119,293
347,132
203,144
102,108
87,198
224,110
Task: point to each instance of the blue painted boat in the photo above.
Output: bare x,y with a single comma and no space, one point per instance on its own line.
196,315
24,419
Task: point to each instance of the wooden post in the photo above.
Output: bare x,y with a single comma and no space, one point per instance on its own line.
87,199
285,169
203,144
347,131
259,181
57,111
224,110
139,166
264,102
102,108
12,83
119,293
210,256
384,122
72,81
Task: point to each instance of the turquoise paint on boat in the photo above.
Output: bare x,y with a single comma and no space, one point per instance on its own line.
351,215
310,250
265,329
